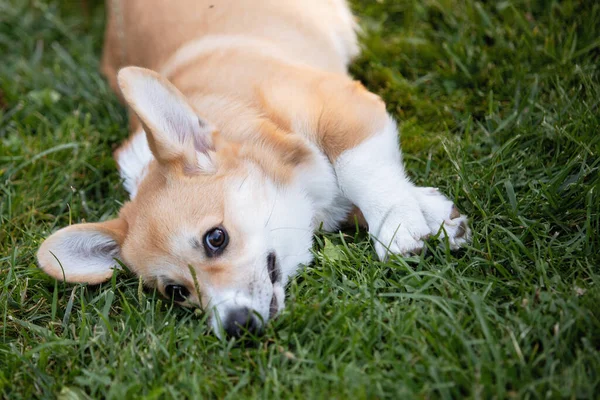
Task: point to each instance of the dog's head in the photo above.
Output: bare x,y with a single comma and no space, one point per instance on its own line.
214,223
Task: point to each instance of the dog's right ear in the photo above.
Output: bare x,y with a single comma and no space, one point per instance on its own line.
83,253
175,132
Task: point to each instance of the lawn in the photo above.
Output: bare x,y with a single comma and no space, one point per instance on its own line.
498,104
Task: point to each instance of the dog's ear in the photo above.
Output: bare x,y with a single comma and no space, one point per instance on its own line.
175,132
83,253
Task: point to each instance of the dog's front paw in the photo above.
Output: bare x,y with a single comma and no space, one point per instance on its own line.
443,217
426,212
401,232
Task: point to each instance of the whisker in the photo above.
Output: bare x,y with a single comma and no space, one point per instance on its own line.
244,181
272,209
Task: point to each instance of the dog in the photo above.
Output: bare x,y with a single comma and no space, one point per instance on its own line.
247,135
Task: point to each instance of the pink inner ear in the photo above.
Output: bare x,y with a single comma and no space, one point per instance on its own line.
172,126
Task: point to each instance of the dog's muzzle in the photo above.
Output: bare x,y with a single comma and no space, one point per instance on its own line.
242,320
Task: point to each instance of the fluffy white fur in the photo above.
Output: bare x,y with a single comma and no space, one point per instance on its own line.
133,162
320,183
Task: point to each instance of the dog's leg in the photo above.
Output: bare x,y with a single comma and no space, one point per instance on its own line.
372,176
399,214
351,126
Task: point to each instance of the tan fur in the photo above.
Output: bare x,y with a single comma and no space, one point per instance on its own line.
147,32
304,78
337,112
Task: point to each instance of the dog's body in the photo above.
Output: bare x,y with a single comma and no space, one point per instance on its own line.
265,138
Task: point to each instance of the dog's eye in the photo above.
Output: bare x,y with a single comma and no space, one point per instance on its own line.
215,241
177,292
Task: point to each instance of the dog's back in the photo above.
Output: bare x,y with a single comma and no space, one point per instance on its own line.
150,33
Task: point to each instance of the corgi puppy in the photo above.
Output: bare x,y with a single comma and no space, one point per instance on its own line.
247,134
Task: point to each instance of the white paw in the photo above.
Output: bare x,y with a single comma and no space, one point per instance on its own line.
402,231
425,212
443,217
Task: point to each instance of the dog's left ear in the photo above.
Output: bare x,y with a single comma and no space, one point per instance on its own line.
175,132
83,253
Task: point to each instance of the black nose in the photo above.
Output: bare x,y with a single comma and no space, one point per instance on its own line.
241,320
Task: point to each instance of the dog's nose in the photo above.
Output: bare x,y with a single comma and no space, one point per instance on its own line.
241,320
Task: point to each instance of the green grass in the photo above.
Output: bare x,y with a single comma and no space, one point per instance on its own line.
499,107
